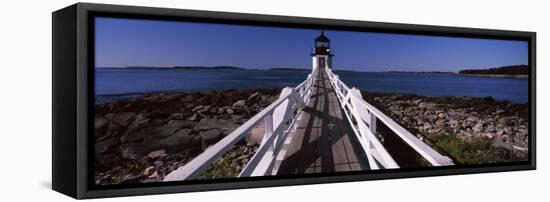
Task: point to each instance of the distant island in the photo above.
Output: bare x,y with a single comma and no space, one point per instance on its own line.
226,67
515,71
208,68
422,72
343,71
288,69
184,67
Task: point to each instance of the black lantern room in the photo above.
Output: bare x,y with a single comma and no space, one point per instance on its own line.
322,45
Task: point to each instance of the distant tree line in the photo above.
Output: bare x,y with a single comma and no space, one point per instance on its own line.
504,70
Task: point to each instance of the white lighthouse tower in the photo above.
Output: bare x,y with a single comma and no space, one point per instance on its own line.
322,55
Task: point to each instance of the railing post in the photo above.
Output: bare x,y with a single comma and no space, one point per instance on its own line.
372,123
268,131
372,116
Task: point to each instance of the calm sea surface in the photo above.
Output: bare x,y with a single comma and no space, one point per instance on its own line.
114,84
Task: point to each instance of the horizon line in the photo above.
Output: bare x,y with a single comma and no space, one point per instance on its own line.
297,68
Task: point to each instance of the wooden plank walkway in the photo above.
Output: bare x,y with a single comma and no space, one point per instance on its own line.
324,140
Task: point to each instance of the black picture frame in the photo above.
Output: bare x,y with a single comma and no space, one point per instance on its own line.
73,98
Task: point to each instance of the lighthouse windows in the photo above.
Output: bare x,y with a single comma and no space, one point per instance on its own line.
322,44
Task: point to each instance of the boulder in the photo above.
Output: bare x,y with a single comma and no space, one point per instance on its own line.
148,171
128,151
123,118
254,96
181,141
207,124
230,111
154,177
239,104
427,105
100,122
204,109
237,117
176,116
194,117
210,137
147,132
185,123
105,146
197,108
130,179
157,154
171,127
187,98
184,132
140,120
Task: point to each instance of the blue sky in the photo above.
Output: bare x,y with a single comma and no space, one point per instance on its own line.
132,42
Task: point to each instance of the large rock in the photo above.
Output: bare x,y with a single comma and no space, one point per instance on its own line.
181,141
148,171
194,117
187,98
100,123
197,108
136,134
129,151
427,105
239,104
130,179
147,132
105,146
230,111
171,127
204,109
184,123
176,116
140,120
157,154
210,137
226,125
254,96
184,132
123,119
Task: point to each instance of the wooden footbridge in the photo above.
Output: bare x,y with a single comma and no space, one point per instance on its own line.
323,140
321,125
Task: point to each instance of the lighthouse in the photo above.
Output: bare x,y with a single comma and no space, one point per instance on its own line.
322,55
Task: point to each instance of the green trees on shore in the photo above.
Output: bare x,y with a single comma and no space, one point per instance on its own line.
504,70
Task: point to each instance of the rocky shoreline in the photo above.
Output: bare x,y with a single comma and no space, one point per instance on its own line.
143,139
467,129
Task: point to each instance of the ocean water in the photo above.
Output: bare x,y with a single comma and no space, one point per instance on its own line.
114,84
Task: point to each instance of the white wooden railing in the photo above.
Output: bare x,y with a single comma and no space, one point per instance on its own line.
277,118
363,119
